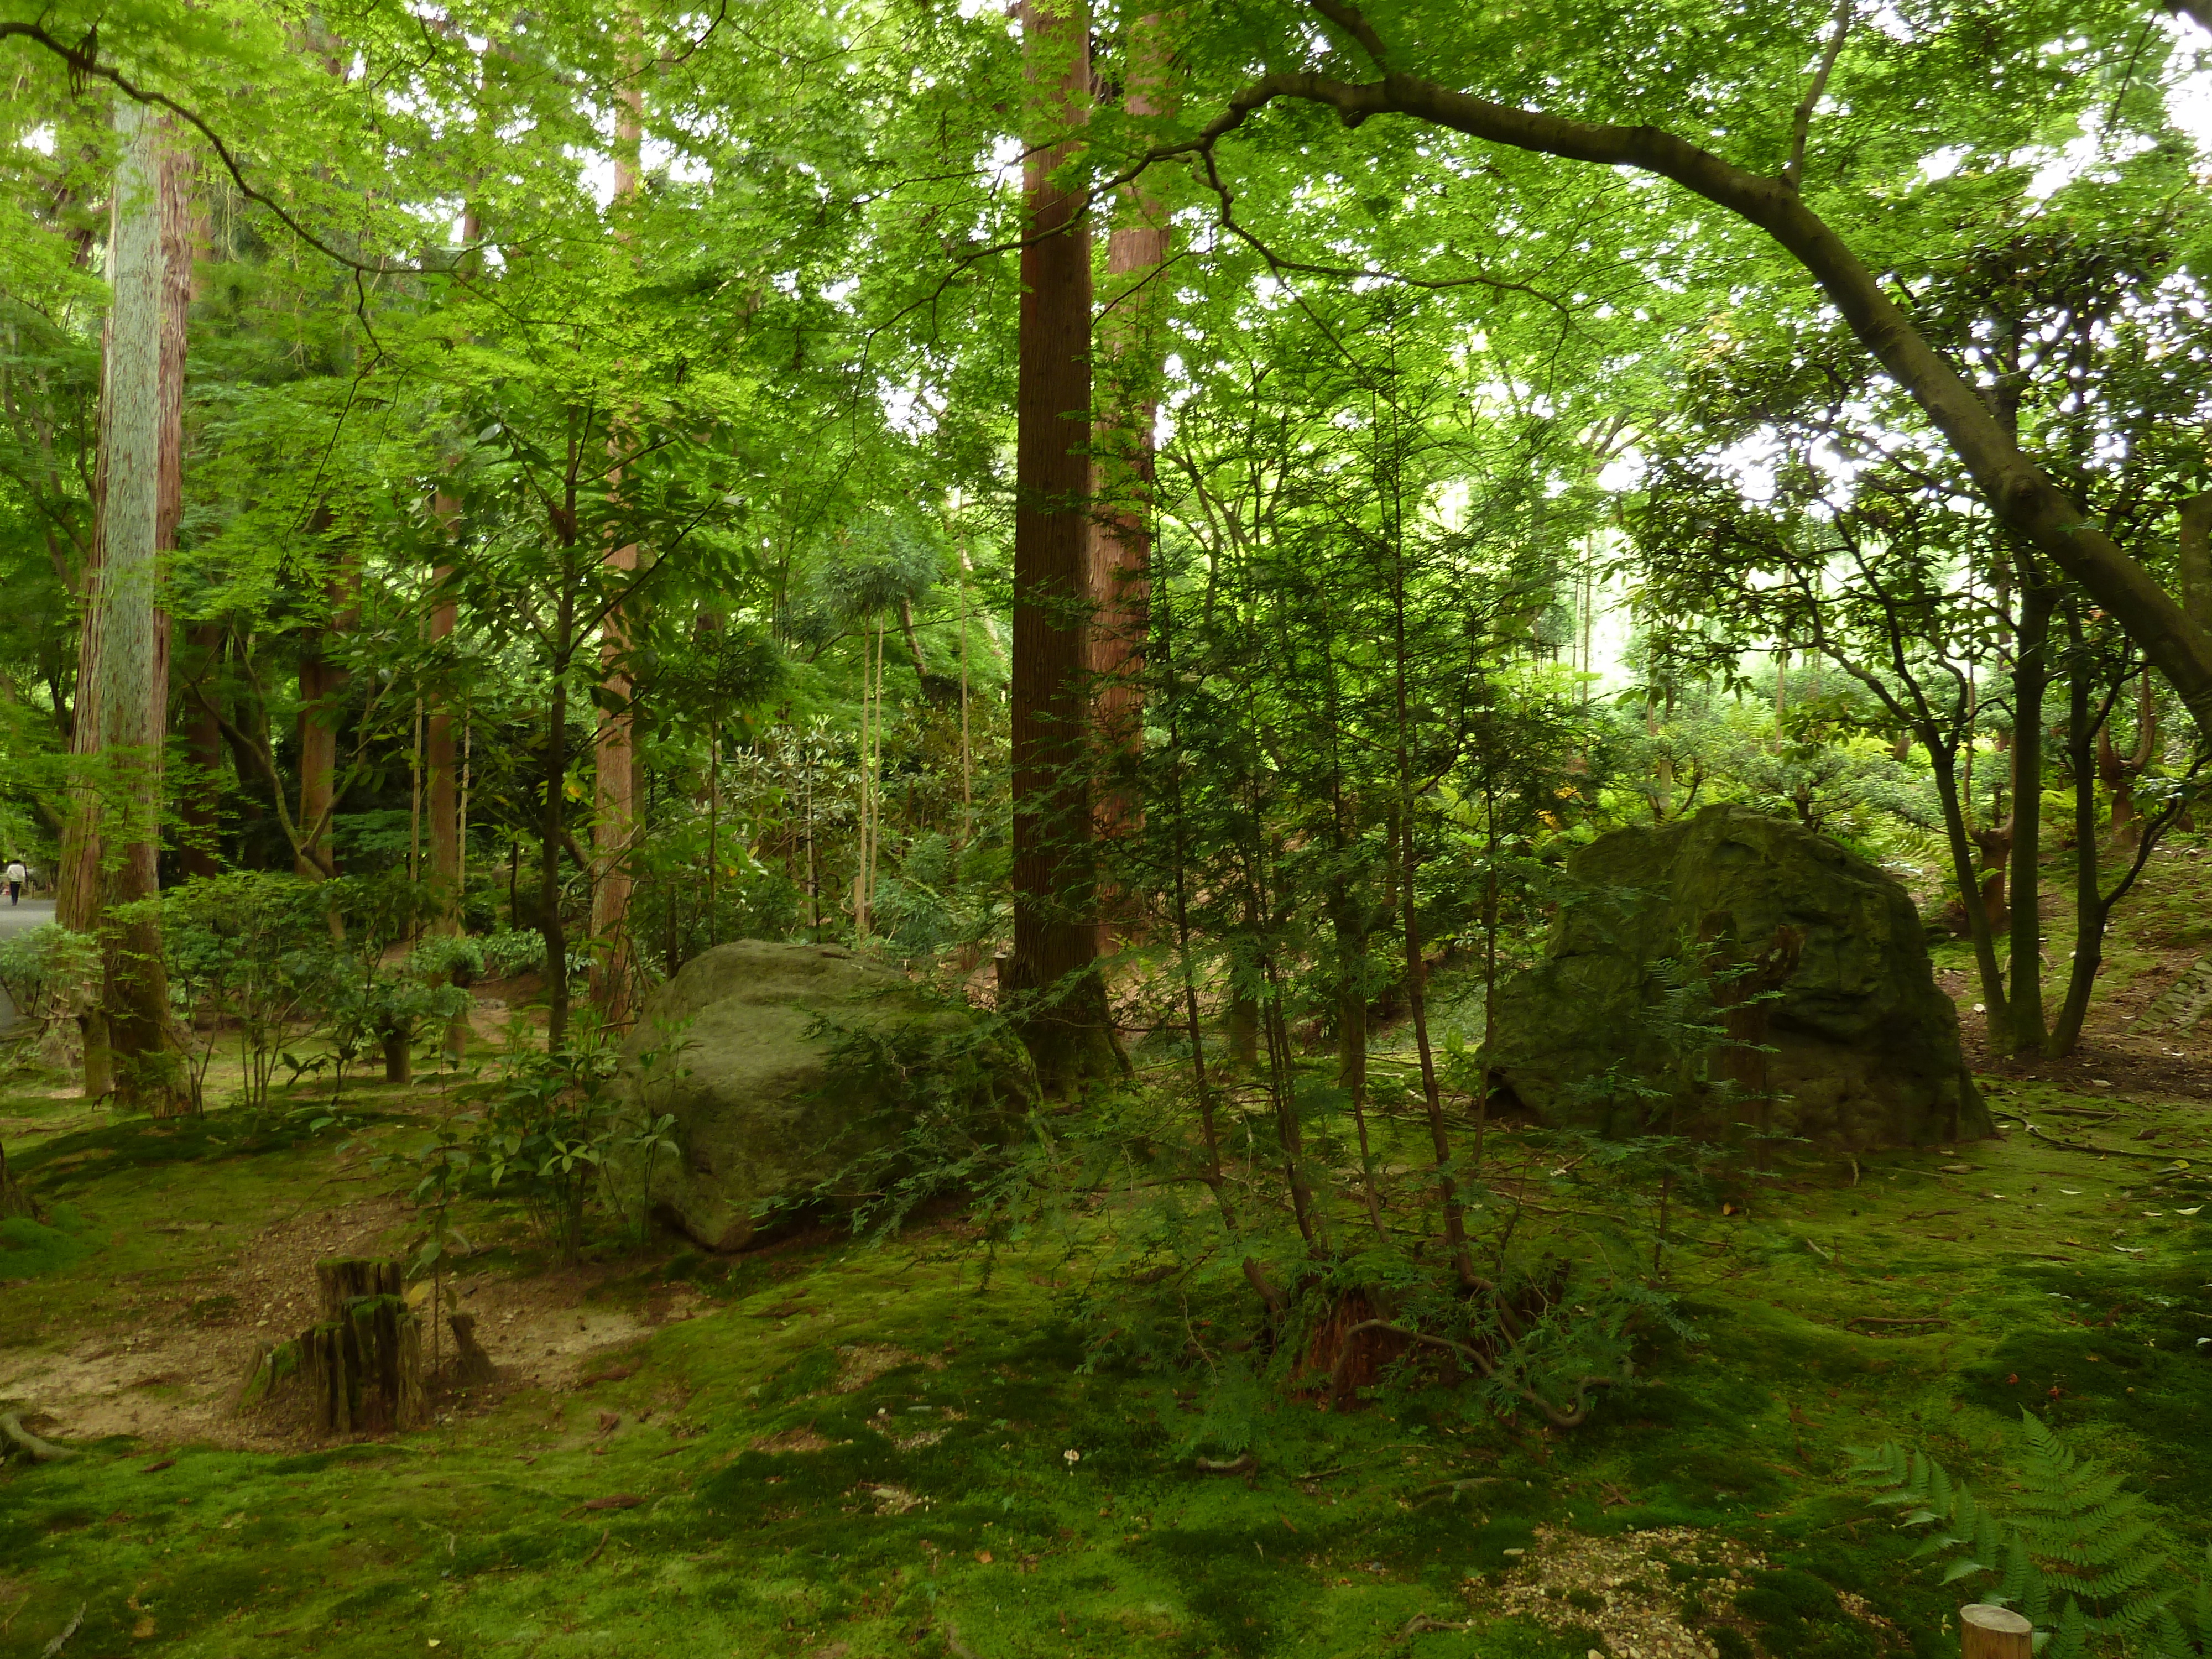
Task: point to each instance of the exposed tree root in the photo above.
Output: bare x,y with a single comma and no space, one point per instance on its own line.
21,1440
1244,1463
1573,1416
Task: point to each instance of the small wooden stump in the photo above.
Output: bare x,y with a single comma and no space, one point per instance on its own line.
1991,1632
362,1362
472,1366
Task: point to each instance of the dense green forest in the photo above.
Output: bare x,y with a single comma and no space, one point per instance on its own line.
1064,828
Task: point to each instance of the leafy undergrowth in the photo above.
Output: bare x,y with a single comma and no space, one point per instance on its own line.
858,1452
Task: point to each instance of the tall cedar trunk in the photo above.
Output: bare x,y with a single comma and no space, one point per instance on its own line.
123,685
2031,675
1134,351
1054,968
184,231
551,830
614,772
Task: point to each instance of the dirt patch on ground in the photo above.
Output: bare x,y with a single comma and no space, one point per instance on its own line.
792,1440
2133,1057
175,1379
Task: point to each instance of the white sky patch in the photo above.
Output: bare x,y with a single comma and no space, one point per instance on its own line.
1939,165
1624,472
2189,105
598,179
680,165
1752,463
2080,157
907,411
40,138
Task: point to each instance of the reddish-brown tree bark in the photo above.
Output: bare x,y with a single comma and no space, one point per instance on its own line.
1054,967
1132,355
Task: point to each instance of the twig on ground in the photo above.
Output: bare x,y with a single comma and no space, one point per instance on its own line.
596,1549
2098,1152
1421,1625
1871,1319
1243,1463
68,1631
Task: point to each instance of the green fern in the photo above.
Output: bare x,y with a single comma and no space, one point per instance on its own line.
2079,1556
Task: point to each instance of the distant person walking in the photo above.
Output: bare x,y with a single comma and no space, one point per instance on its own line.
17,875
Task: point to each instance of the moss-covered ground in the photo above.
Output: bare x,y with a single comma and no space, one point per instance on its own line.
933,1509
847,1452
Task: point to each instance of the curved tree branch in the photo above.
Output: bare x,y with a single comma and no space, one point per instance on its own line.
2024,497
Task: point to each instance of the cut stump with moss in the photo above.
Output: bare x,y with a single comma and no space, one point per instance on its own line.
359,1365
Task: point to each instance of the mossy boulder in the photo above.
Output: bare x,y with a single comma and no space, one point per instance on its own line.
1866,1047
783,1064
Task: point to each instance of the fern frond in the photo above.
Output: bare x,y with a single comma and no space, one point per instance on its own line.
1940,1494
2166,1639
2070,1640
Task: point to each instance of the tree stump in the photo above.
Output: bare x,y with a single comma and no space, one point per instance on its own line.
472,1366
362,1362
1993,1632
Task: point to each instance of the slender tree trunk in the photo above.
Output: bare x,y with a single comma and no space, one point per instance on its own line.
549,864
1063,1002
614,770
1960,841
200,791
1409,913
2089,906
442,790
2031,675
1209,1128
2118,772
322,691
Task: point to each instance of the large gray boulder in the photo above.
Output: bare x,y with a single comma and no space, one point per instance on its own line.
1867,1047
765,1111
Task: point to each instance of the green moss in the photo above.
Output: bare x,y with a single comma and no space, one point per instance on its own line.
878,1535
28,1249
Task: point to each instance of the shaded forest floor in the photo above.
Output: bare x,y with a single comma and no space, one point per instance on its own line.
836,1451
